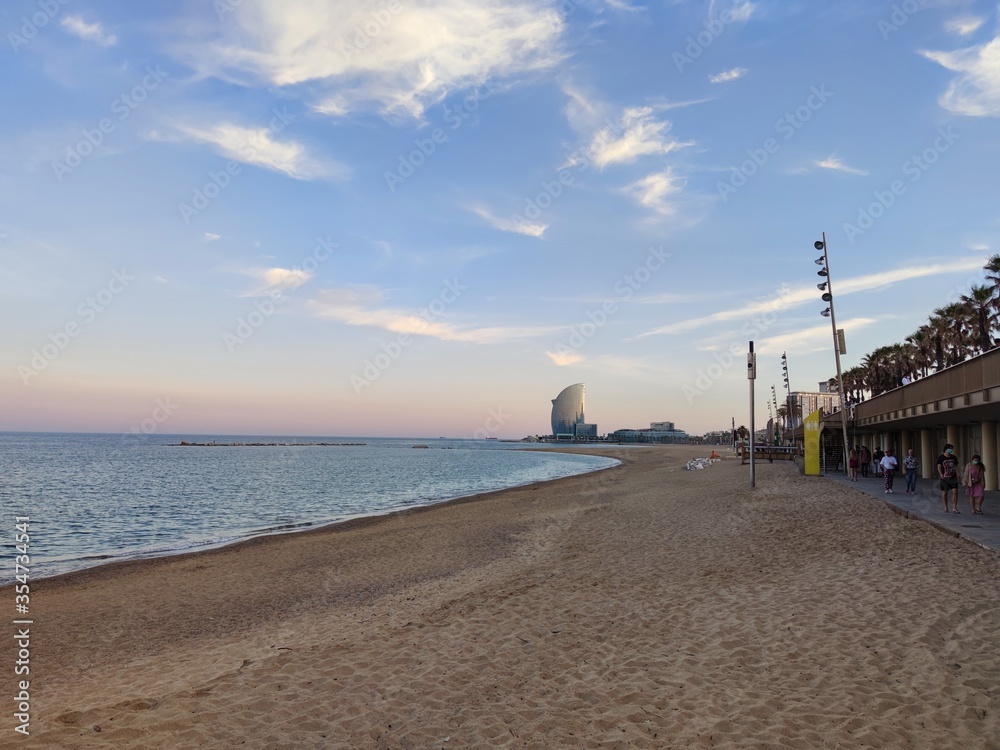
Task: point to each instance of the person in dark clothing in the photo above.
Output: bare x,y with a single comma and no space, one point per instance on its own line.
947,466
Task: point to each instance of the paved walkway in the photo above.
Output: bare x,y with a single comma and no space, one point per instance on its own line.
926,505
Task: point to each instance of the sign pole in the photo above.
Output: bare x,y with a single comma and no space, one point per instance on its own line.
751,375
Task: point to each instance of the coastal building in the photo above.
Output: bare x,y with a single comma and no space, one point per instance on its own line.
658,432
568,420
809,401
958,405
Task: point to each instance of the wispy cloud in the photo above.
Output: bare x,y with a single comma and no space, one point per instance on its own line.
637,133
92,32
965,25
654,191
726,76
834,163
814,339
361,305
529,228
211,236
565,359
803,294
975,91
258,147
275,280
740,12
395,58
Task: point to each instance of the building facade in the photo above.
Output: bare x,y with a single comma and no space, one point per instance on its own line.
568,420
809,401
658,432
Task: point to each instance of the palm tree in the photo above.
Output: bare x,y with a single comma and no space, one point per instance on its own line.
980,300
923,345
992,269
963,328
939,330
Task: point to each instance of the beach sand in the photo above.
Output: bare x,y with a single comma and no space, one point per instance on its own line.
642,606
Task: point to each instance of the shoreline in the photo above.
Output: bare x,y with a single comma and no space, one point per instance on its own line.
644,607
296,528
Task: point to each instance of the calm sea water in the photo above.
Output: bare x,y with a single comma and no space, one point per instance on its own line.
97,498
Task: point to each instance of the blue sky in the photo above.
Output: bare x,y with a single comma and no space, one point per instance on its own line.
428,218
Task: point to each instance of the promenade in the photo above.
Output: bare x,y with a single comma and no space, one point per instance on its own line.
926,505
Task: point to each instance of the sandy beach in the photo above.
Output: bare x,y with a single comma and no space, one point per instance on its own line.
639,607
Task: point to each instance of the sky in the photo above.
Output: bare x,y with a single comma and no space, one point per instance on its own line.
428,217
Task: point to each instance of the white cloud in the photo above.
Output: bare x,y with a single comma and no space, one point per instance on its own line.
92,32
361,306
565,359
818,338
975,91
965,25
788,298
636,133
739,12
654,190
396,58
276,280
726,76
258,147
211,236
529,228
835,163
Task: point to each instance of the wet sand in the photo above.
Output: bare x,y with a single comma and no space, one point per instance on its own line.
642,606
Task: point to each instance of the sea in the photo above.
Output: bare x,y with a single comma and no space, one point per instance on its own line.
96,498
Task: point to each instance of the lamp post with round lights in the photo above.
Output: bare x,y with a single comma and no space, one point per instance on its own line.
788,390
827,288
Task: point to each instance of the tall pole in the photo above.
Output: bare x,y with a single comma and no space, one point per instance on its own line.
751,374
836,351
788,390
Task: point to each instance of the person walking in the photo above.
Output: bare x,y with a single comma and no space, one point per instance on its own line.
889,465
911,463
877,457
947,467
864,459
974,480
852,464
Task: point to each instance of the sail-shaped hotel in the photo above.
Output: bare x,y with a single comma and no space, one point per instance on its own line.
568,420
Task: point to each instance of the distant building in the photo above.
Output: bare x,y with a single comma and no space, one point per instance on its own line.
568,419
661,426
658,432
810,401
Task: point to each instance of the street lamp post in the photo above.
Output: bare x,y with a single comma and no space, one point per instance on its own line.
788,391
827,288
